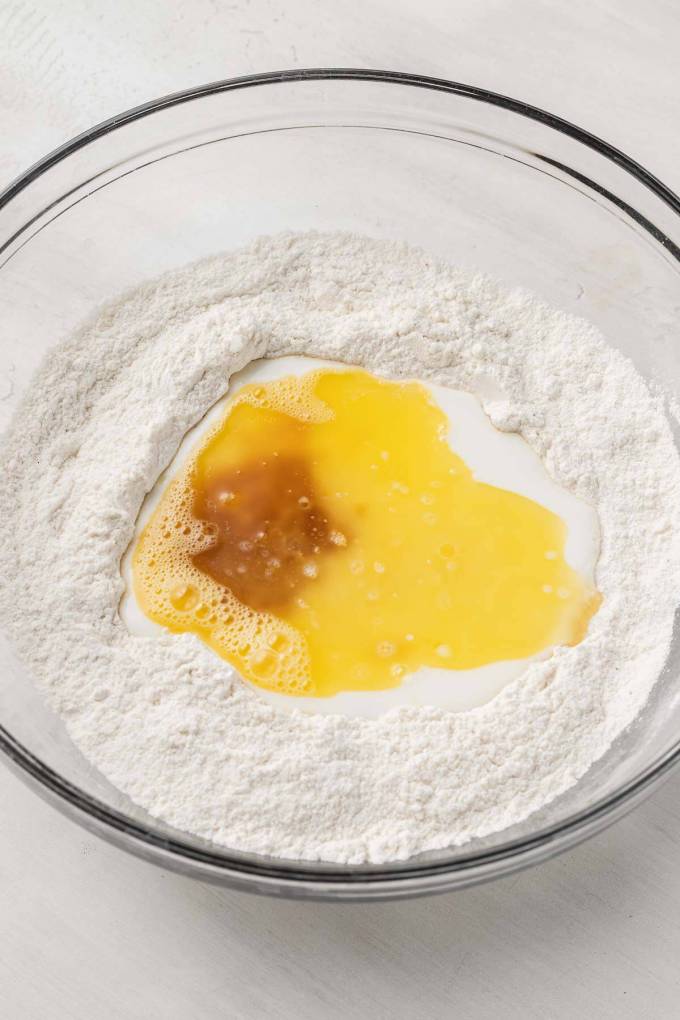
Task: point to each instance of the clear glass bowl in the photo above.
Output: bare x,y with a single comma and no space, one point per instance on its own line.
482,180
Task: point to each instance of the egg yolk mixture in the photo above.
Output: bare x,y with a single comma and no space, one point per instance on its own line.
326,538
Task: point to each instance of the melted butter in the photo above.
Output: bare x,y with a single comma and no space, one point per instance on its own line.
326,538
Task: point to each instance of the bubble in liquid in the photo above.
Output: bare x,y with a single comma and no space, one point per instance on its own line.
279,643
184,598
264,663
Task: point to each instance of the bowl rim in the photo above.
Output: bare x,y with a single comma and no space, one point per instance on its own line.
576,825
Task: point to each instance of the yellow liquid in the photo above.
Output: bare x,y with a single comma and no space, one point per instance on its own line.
326,538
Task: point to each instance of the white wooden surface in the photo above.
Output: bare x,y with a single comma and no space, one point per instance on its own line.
86,931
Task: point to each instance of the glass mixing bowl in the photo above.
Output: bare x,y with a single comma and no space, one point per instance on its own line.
484,181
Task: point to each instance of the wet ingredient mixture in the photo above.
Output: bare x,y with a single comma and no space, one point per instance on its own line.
326,538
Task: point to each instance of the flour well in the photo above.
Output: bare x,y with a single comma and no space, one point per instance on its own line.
165,719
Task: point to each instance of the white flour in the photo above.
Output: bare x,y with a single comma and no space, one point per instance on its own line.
165,719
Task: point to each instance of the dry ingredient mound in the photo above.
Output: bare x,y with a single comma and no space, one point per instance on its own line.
171,724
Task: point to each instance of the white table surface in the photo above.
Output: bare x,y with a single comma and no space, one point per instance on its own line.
88,932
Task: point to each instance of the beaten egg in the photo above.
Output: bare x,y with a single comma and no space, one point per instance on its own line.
336,536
